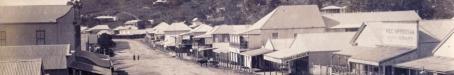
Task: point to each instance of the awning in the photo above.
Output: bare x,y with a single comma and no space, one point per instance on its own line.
364,61
203,49
90,68
220,50
256,52
283,56
372,55
185,34
432,63
204,36
20,67
97,59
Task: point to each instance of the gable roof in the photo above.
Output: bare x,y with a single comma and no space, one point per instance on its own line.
230,29
53,56
178,27
131,22
20,67
33,14
279,44
332,41
395,34
355,20
100,27
202,28
127,27
159,29
208,34
291,16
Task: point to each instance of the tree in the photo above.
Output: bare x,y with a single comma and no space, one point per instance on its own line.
105,43
274,3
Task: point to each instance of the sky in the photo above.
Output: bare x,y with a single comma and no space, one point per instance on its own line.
32,2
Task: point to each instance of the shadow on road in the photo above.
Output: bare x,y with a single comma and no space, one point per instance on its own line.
121,72
121,45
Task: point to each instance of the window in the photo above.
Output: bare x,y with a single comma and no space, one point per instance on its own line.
243,43
275,35
222,38
2,38
40,37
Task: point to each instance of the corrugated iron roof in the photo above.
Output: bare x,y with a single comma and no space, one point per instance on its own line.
256,52
291,16
333,41
33,14
436,29
295,16
230,29
279,44
159,29
446,46
53,56
131,22
304,43
208,34
356,19
100,27
178,27
91,68
97,59
20,66
373,54
432,63
202,28
285,54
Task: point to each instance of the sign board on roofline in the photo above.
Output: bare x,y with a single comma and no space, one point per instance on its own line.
401,34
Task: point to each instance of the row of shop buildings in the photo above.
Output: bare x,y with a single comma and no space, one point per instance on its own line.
299,40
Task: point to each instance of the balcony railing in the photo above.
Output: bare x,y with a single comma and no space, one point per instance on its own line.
243,45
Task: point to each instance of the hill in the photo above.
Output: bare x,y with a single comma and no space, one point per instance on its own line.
244,11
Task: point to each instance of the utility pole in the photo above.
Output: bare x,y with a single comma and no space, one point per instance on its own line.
77,7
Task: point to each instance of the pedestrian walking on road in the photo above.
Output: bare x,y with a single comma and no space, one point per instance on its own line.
134,57
138,57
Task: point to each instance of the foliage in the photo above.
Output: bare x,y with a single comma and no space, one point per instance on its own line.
105,43
244,11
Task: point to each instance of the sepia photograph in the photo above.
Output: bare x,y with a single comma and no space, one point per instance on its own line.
226,37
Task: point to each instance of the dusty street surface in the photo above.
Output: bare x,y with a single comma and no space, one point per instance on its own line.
153,62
